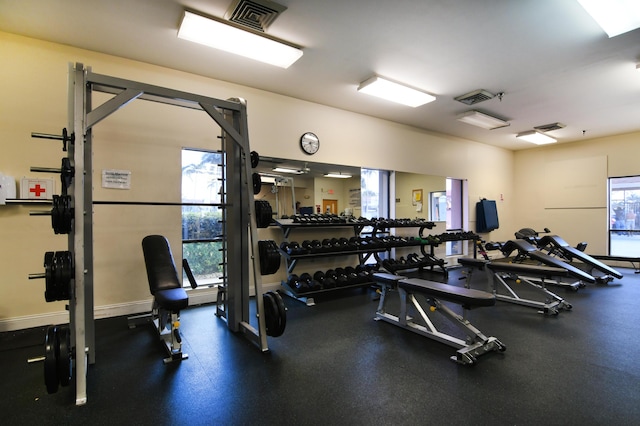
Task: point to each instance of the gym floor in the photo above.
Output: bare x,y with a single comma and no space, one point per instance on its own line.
336,365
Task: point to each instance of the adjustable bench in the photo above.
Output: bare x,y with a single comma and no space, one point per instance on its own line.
526,252
502,270
554,244
169,297
476,343
522,274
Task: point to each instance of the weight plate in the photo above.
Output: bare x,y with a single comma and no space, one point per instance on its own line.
51,379
257,183
270,313
282,313
255,159
49,290
64,355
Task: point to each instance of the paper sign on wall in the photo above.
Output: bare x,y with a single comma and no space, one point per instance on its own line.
116,179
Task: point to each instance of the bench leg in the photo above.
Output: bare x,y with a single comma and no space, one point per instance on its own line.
552,302
469,350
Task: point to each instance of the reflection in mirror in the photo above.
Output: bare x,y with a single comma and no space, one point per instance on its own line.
300,187
410,201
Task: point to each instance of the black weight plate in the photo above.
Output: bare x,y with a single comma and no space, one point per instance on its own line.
64,355
282,313
257,183
270,313
255,159
48,275
51,379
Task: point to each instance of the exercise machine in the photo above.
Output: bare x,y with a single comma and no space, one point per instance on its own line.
433,293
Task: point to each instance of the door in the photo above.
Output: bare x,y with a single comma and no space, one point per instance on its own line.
330,206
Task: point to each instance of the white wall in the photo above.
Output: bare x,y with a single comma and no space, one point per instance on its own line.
147,139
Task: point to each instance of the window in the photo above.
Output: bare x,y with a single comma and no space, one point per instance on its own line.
454,214
374,193
202,226
624,220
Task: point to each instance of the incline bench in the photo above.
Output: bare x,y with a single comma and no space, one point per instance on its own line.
168,295
476,343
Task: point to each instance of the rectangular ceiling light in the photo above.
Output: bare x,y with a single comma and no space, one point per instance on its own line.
535,137
479,119
337,175
395,92
286,170
223,36
615,17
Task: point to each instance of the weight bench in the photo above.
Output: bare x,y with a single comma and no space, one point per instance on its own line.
527,252
476,343
168,295
554,244
521,274
502,271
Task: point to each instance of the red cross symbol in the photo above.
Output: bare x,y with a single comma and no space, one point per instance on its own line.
37,190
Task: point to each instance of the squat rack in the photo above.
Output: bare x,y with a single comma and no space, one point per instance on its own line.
231,116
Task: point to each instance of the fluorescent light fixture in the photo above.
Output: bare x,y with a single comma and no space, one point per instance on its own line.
535,137
395,92
337,175
223,36
480,119
615,17
286,170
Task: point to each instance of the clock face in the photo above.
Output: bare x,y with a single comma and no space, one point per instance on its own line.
310,143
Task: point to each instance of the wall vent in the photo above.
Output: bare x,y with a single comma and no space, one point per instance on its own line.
549,127
475,97
255,14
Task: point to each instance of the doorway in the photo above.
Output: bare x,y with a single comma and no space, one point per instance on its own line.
330,206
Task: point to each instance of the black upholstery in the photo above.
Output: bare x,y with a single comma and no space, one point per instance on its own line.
161,272
527,249
527,269
559,243
460,295
472,262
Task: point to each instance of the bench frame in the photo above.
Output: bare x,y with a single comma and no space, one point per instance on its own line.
469,350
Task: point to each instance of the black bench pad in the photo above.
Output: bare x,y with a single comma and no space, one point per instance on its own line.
173,299
161,272
561,244
523,268
472,262
460,295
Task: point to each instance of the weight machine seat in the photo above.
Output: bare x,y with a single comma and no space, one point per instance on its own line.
463,296
525,248
560,244
161,272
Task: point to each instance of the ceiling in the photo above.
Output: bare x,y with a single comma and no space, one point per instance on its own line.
550,59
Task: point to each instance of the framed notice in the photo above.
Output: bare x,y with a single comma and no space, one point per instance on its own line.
116,179
416,197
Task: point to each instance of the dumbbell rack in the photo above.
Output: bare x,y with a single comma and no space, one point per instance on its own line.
291,260
231,116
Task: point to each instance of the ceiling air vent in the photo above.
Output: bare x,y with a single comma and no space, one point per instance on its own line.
255,14
549,127
475,97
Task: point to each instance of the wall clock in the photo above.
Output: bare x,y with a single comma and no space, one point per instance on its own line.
309,143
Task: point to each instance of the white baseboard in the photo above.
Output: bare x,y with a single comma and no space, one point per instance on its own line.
196,297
